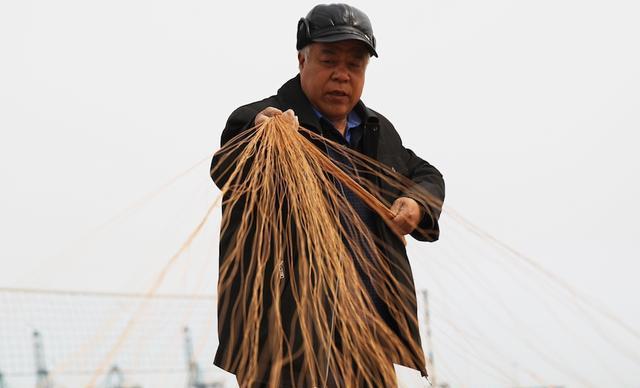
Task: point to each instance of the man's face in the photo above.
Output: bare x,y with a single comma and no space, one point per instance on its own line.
332,76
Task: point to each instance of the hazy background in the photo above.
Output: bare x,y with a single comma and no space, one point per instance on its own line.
530,110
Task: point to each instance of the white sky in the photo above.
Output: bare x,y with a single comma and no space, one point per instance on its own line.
530,110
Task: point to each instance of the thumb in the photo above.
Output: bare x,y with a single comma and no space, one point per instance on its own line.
291,114
397,205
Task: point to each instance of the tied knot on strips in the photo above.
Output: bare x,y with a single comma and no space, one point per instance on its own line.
302,278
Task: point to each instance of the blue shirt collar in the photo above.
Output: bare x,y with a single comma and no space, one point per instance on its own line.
353,120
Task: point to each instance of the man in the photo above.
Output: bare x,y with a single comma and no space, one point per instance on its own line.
335,43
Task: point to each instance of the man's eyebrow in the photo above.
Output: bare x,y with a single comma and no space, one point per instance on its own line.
360,54
327,51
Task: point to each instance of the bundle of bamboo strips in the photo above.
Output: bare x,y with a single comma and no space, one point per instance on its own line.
295,255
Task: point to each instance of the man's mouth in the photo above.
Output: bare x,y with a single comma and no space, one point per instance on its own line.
337,93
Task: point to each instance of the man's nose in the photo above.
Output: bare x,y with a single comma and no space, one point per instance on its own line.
340,73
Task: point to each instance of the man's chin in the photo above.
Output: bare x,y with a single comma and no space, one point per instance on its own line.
335,113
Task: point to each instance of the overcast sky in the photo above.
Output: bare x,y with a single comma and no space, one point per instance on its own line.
529,109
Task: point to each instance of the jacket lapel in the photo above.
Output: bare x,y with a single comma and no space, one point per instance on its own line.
371,132
291,95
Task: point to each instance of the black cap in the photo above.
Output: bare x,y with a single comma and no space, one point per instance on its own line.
334,23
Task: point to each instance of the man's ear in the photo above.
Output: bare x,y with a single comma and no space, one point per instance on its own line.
300,60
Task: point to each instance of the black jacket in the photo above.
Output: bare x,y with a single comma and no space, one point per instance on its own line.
381,142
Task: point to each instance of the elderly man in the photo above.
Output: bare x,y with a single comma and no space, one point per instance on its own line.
335,43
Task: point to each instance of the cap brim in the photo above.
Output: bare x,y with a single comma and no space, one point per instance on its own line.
343,35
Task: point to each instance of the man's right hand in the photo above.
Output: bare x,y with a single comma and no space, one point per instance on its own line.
271,111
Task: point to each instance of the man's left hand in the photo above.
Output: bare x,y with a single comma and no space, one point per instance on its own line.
408,214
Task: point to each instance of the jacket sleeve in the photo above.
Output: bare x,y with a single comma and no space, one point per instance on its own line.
241,120
428,191
427,186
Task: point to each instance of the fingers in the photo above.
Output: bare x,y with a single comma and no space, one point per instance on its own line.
266,113
401,225
407,215
271,111
290,114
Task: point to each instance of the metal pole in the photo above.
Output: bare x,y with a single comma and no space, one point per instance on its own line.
427,322
42,375
115,378
193,379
